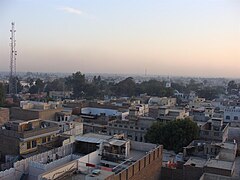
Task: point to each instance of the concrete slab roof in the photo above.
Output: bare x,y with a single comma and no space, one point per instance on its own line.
219,164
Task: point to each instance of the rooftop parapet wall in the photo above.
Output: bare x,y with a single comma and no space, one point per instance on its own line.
31,133
37,168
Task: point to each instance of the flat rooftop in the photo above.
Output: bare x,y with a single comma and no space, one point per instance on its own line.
91,176
219,164
196,162
92,138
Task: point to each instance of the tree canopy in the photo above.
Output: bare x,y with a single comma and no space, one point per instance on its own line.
174,135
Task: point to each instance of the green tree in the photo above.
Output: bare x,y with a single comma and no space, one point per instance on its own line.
232,86
174,135
77,82
56,85
127,87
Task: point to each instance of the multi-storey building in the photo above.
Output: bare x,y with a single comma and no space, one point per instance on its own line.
22,137
214,130
232,114
165,113
134,129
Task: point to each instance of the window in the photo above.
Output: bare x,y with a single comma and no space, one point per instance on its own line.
115,125
136,127
142,128
235,118
48,138
28,145
136,138
66,118
131,127
34,143
120,125
227,117
125,127
43,139
110,124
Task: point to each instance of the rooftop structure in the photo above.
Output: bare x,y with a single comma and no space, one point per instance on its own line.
22,137
36,110
115,158
214,130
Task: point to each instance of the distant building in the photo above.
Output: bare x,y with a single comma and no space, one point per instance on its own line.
36,110
164,113
163,101
59,95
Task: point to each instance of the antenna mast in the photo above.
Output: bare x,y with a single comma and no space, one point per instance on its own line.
13,65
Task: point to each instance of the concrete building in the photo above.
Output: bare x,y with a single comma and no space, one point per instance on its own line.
214,130
232,114
4,115
22,137
163,101
207,149
36,110
210,176
203,157
104,111
134,129
60,95
114,158
164,113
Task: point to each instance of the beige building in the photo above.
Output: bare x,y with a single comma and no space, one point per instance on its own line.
22,137
36,110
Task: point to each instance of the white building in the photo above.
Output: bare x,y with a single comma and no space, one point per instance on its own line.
232,114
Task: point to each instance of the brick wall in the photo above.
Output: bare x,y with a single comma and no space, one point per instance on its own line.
147,168
4,115
171,174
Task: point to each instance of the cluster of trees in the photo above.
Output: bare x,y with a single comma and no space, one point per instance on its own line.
174,135
98,88
233,87
126,87
209,92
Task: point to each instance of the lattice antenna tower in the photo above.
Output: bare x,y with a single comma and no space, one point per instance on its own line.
13,65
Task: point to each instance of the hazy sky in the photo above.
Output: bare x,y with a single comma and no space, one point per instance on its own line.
166,37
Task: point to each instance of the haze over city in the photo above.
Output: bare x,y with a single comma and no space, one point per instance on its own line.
187,38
